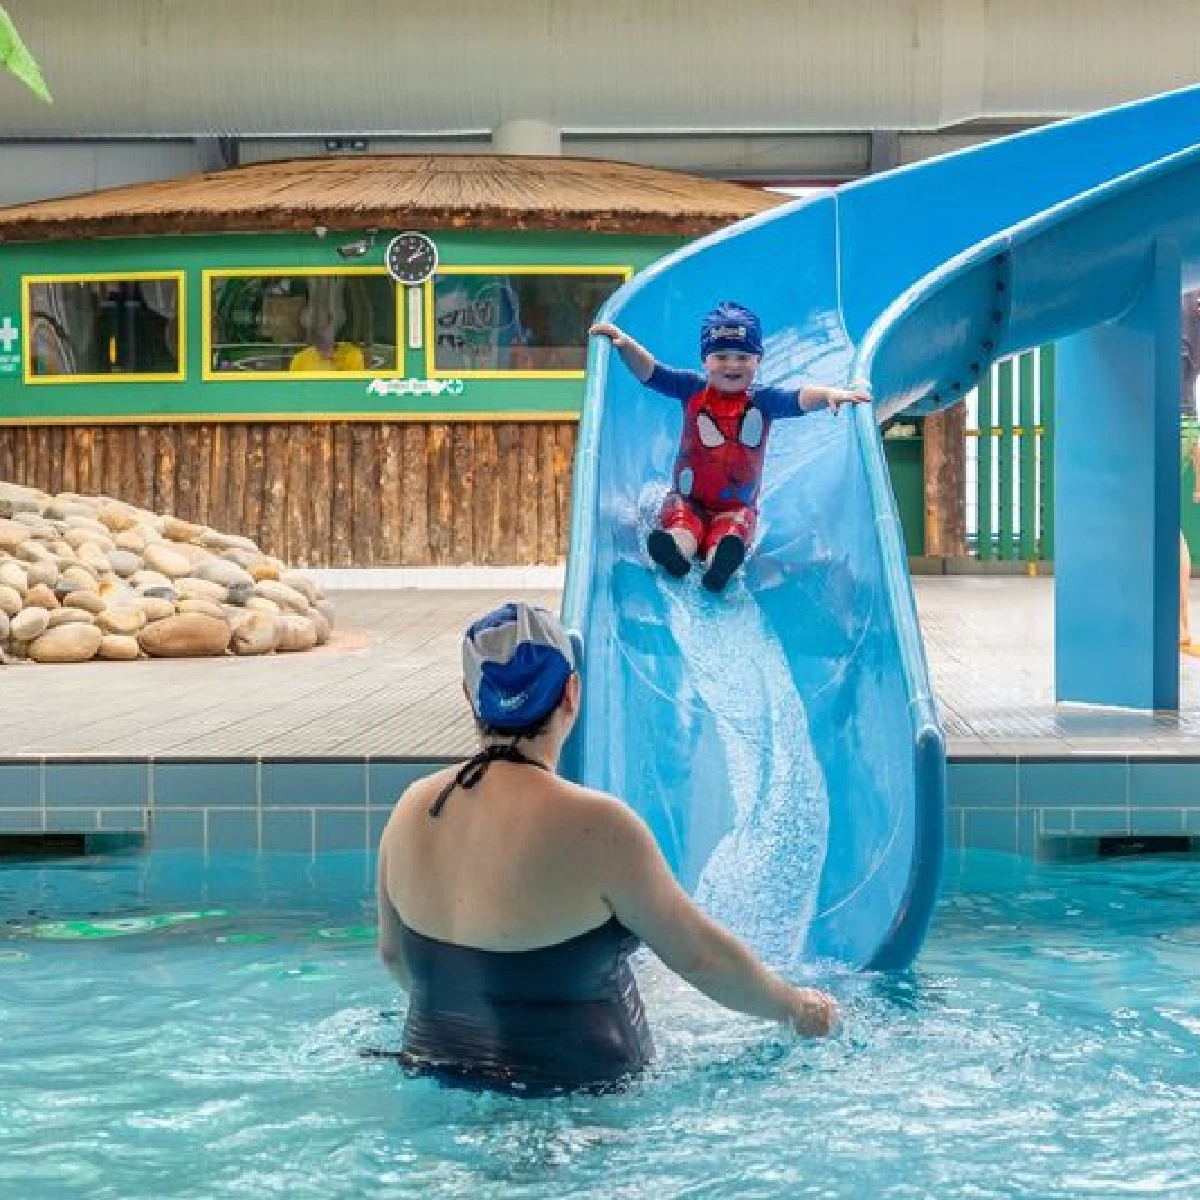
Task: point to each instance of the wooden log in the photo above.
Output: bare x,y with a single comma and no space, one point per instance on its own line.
527,497
547,494
487,499
144,466
391,483
462,482
164,468
414,497
235,470
7,458
564,437
274,488
187,451
440,495
320,492
123,483
364,494
508,497
341,521
297,539
945,483
252,501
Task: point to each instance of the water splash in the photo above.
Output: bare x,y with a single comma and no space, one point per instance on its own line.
762,876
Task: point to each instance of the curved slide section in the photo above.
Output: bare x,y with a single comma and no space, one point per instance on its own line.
782,739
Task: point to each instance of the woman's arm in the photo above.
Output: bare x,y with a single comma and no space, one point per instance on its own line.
646,899
390,946
633,354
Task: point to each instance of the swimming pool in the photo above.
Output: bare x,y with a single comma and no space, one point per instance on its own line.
1047,1045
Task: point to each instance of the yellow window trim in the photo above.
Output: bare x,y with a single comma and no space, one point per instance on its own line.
293,272
180,277
431,369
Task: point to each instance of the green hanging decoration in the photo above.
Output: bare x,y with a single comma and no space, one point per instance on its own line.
19,61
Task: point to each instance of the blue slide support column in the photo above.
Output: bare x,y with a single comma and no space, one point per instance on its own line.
1116,503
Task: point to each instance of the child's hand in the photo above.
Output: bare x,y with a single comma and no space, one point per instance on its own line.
614,335
836,397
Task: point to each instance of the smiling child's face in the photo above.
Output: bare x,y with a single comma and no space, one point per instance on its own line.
730,370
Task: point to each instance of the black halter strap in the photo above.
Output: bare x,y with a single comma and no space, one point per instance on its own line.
475,768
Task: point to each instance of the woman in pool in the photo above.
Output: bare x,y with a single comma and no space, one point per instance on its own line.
510,899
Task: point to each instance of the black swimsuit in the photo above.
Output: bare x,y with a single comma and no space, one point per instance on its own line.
531,1021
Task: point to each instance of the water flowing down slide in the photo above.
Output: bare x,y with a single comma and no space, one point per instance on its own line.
782,739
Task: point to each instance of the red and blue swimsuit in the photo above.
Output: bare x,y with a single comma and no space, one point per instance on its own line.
719,466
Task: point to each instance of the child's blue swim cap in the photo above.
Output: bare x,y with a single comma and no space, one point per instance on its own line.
516,663
730,326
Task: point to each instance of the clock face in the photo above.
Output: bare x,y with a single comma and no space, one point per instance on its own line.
411,258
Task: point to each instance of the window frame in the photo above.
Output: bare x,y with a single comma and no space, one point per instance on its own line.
623,272
209,375
111,377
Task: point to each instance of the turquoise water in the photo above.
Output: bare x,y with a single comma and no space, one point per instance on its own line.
1048,1045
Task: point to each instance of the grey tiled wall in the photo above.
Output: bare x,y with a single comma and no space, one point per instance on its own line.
313,805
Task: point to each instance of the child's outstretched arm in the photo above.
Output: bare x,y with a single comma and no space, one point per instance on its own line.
633,354
817,396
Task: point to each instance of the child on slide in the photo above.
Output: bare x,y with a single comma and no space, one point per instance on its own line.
711,511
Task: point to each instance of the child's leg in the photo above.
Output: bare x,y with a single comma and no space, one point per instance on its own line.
726,544
673,545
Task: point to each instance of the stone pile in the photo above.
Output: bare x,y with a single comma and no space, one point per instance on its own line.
85,577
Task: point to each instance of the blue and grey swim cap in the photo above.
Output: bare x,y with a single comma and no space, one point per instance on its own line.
516,663
730,326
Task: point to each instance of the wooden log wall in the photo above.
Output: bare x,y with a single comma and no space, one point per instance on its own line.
328,494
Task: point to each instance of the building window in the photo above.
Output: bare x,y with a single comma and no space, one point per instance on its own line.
93,328
523,321
328,324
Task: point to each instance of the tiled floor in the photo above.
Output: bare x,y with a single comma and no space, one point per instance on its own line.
388,686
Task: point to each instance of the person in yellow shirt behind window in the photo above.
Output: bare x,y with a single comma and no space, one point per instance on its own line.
325,354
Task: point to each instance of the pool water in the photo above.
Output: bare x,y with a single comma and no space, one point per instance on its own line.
172,1027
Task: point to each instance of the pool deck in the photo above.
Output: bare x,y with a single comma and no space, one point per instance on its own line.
387,686
307,752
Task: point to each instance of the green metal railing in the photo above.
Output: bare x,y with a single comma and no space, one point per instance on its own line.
1010,425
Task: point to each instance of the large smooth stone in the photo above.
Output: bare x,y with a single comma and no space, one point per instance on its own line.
286,597
28,624
196,604
215,540
304,584
321,625
121,618
261,569
182,531
79,579
14,575
11,601
42,572
325,608
156,608
150,579
77,537
295,632
256,633
222,571
117,648
262,604
70,616
40,596
116,517
130,539
4,626
185,636
123,562
190,588
91,602
166,560
73,643
33,551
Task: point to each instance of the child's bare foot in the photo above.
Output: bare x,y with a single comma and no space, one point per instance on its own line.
726,559
665,551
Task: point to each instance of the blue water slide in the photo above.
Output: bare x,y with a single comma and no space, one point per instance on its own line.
782,739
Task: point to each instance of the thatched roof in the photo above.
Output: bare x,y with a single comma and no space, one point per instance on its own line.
429,191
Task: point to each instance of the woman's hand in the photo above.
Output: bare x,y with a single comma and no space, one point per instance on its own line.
811,1012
